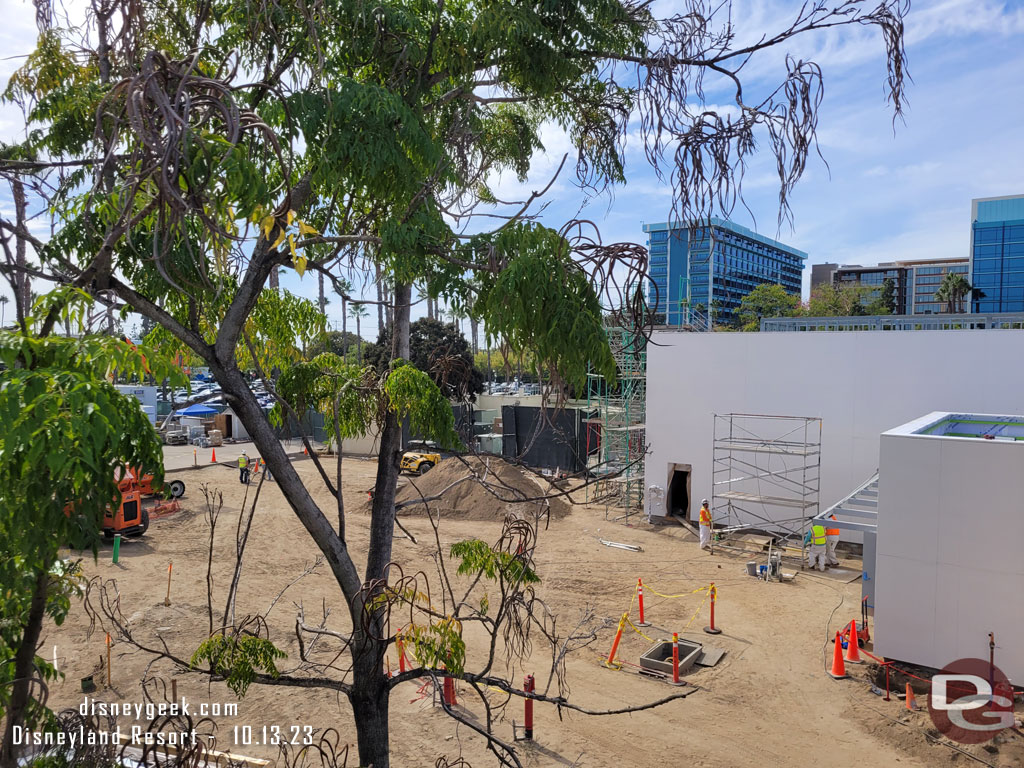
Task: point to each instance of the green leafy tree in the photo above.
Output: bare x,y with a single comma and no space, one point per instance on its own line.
766,300
364,136
885,302
340,343
440,351
844,299
953,289
888,296
66,438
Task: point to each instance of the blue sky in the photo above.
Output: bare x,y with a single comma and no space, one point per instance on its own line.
889,192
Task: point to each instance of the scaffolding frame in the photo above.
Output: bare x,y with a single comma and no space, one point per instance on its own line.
620,408
747,489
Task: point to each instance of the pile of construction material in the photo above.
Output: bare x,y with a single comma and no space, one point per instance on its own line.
480,488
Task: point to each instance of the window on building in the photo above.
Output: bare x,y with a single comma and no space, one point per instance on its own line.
988,234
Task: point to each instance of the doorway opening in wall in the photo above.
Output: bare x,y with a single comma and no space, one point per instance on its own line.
678,497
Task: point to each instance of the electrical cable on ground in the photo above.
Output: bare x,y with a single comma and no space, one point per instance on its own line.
931,739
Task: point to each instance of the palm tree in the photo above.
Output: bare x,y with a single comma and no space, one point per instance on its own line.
3,309
321,298
358,311
952,290
343,287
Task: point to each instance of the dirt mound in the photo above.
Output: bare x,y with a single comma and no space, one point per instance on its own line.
479,489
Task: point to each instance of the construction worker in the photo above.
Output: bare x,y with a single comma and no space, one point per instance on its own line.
816,549
831,539
243,468
705,525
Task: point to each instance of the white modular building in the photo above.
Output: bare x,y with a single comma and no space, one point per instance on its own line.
858,383
145,395
950,528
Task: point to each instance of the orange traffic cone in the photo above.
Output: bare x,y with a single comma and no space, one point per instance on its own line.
853,647
911,701
305,451
838,671
213,458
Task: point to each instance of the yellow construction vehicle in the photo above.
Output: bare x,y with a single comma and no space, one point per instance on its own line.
420,461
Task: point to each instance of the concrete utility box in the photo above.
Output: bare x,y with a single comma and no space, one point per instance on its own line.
659,657
949,564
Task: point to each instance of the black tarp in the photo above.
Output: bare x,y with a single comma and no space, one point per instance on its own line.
544,438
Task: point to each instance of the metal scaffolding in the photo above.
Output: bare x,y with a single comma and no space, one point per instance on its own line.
766,473
616,423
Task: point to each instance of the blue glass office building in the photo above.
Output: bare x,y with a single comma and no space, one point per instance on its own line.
723,263
997,254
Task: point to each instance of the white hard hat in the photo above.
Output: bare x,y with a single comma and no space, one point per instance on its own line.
704,502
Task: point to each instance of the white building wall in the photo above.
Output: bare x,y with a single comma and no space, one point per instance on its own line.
949,568
860,383
145,395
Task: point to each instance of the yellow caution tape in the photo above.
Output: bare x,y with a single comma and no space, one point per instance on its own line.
695,613
681,594
645,637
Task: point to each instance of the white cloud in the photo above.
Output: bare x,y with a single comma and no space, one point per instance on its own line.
963,18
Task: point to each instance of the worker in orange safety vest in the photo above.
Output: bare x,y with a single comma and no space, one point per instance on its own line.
831,539
705,525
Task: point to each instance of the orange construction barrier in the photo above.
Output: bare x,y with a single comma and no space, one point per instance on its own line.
528,687
213,458
853,647
615,644
838,671
675,659
911,701
640,597
449,691
712,629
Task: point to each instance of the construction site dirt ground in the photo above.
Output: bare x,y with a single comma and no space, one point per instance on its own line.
768,701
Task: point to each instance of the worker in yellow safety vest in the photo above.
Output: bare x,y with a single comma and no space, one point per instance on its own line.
816,550
243,468
705,525
831,539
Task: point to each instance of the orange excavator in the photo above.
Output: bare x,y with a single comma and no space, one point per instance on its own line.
135,478
127,518
131,516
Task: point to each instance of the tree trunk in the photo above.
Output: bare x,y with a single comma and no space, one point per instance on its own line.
369,685
359,341
321,299
273,280
24,667
474,327
369,698
380,301
344,326
22,284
